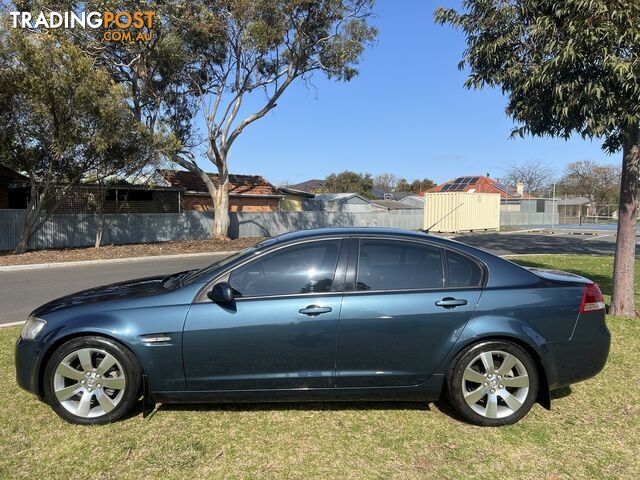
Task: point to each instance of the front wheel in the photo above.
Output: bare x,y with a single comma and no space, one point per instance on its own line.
92,380
493,383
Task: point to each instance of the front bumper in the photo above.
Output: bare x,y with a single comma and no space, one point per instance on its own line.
27,358
583,356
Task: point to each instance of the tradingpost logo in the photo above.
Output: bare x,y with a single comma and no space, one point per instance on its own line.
118,26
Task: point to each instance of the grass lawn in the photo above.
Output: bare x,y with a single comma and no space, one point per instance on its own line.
593,431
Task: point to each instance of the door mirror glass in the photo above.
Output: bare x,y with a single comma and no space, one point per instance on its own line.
221,293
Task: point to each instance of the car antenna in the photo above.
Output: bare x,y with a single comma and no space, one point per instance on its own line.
449,213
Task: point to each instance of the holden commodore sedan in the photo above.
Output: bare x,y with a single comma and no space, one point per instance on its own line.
329,314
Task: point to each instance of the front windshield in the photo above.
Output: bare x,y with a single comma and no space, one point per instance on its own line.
203,273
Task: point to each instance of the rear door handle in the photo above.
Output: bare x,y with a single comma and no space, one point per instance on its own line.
313,310
450,302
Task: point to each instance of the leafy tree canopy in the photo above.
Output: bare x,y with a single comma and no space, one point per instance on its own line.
566,67
349,182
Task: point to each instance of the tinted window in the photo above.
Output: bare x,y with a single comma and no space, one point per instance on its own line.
304,268
462,271
392,265
539,206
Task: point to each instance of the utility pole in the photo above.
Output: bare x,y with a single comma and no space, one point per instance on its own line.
553,207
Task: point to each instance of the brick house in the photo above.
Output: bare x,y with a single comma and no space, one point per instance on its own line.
480,184
247,193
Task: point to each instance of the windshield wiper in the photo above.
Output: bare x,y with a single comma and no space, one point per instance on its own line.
172,281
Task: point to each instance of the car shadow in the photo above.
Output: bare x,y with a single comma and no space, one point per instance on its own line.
561,392
292,406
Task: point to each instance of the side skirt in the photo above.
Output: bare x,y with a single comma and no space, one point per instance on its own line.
428,391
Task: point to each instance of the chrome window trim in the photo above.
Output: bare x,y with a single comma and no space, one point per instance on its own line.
201,296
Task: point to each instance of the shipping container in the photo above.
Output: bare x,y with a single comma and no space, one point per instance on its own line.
461,212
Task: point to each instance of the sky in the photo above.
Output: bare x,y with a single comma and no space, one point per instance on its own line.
406,113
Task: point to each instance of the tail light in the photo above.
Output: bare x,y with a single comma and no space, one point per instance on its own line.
592,299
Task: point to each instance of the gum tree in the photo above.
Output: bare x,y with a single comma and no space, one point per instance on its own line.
269,46
566,68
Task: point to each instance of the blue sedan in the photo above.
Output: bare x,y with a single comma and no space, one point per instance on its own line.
329,314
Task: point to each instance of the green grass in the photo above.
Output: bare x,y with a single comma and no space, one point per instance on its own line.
593,431
597,268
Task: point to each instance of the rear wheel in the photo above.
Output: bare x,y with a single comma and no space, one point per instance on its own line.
493,383
92,380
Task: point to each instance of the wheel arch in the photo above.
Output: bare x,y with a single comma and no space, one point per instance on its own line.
544,394
48,353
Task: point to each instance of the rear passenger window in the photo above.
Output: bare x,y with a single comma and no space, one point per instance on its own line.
462,271
393,265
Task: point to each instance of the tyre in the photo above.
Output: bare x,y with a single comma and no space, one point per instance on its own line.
493,383
92,380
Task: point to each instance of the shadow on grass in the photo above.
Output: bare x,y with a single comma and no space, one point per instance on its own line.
561,392
294,406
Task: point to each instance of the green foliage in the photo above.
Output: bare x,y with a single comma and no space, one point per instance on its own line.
416,186
566,67
61,117
349,182
419,186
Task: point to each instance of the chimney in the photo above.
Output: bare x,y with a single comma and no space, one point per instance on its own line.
520,188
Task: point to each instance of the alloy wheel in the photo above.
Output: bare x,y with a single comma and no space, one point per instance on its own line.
89,382
495,384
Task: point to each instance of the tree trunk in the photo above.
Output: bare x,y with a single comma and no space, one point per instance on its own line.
29,220
622,300
99,230
221,205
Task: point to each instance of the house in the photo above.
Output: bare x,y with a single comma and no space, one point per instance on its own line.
397,205
294,200
310,186
247,193
345,202
480,184
512,199
14,189
416,201
573,209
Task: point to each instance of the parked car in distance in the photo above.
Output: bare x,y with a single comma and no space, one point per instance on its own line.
329,314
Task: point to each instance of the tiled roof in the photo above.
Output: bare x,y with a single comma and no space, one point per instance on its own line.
394,205
478,184
311,186
238,184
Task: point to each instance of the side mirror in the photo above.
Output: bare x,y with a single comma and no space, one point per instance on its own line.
221,293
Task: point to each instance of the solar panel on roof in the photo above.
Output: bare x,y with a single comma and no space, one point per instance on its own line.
456,187
445,188
458,180
474,179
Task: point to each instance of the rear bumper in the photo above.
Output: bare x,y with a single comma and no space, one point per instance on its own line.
583,356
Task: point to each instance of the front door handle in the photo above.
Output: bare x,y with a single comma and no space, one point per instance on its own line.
313,310
450,302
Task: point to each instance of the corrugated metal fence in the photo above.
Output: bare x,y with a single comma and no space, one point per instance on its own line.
78,230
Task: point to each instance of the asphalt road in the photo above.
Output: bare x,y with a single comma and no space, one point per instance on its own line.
561,241
21,291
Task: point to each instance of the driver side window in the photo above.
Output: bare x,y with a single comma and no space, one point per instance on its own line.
304,268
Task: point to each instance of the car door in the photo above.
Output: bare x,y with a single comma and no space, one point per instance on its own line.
280,331
407,304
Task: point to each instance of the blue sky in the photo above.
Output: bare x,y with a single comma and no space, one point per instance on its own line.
407,113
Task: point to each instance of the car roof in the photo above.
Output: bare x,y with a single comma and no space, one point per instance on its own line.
350,231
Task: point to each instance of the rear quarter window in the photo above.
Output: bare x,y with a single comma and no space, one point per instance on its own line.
463,272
